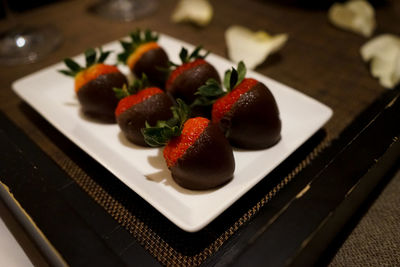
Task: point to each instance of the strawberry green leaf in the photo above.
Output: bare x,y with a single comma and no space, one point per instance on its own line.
227,78
72,65
125,45
136,86
160,134
91,59
181,112
103,55
90,56
67,72
149,37
205,55
172,64
183,55
128,49
208,93
196,52
122,57
210,88
163,131
154,136
121,92
201,101
135,36
241,69
138,38
234,77
74,68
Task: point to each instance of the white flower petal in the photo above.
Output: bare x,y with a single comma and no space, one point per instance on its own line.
379,45
356,15
384,53
251,47
199,12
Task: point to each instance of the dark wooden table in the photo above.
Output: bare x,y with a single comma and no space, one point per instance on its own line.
318,60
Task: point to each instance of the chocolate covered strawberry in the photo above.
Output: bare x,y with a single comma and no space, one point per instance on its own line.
247,113
196,152
186,78
140,104
144,55
94,85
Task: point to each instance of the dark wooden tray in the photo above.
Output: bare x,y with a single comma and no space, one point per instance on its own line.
294,228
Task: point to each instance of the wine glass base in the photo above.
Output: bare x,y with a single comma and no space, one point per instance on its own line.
22,45
124,10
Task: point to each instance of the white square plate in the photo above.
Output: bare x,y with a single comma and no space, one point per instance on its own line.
144,169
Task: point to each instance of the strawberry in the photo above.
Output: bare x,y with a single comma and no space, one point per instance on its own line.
186,78
140,104
247,113
143,55
196,152
94,85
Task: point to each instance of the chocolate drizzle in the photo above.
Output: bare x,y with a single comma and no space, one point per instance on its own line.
151,63
131,121
97,97
253,122
208,163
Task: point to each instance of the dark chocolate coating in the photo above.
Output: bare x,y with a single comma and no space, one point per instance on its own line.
150,64
208,163
186,84
97,97
201,111
153,109
253,122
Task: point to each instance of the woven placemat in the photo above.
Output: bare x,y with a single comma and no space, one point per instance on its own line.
168,244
